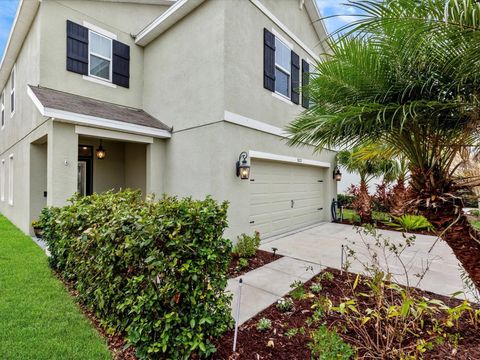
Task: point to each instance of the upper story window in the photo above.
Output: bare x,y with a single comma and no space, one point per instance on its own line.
12,91
2,109
282,68
96,54
100,56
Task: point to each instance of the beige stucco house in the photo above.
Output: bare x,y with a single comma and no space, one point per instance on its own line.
173,92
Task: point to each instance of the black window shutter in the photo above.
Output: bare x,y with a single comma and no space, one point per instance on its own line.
295,74
305,82
77,48
268,60
121,64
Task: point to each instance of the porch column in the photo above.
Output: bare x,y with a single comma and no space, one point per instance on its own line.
62,163
155,168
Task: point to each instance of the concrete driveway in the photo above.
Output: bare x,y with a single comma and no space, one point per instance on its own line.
322,245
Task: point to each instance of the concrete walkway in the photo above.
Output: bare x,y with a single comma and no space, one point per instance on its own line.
264,286
320,246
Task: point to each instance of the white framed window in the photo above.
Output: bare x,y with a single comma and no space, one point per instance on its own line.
2,109
10,179
2,180
12,91
283,58
99,56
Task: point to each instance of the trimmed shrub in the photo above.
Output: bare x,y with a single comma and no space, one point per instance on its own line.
247,246
345,200
155,271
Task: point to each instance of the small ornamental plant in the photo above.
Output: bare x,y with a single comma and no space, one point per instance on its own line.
247,246
285,304
298,291
316,288
264,324
241,264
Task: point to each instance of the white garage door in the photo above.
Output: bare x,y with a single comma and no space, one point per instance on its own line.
285,197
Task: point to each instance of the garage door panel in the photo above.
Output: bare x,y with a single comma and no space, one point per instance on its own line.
274,187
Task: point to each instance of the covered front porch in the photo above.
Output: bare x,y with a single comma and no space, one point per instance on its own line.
82,153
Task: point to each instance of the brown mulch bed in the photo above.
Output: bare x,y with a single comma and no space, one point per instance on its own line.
261,258
252,344
380,225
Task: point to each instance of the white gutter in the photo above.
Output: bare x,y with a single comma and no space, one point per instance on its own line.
180,9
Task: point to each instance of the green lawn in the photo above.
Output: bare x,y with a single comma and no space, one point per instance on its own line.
38,318
349,214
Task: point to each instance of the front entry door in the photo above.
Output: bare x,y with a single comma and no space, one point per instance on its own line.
85,174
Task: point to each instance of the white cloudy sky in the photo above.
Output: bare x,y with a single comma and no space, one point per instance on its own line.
345,13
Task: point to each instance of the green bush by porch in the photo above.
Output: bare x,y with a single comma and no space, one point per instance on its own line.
153,270
38,318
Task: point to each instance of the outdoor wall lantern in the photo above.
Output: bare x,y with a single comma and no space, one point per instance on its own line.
100,152
243,169
337,175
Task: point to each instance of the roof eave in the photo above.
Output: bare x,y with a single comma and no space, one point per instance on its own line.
175,13
318,23
26,11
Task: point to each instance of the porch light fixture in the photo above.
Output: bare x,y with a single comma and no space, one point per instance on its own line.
337,175
100,152
243,169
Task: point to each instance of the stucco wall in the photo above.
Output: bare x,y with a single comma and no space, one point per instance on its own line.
184,82
26,116
244,91
135,166
201,162
119,18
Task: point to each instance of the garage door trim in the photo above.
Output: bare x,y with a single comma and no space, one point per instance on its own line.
288,159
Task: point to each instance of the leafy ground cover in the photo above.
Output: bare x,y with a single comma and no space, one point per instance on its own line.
290,332
38,318
382,220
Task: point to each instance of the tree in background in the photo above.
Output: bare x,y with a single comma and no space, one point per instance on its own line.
367,169
406,74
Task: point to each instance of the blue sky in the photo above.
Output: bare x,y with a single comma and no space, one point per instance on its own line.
327,7
336,7
8,8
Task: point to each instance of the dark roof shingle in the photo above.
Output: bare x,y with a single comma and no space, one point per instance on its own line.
59,100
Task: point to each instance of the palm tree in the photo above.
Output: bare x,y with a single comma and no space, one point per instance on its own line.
398,172
353,161
406,74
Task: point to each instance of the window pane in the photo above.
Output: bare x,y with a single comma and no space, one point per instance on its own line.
12,102
99,67
100,45
282,81
282,55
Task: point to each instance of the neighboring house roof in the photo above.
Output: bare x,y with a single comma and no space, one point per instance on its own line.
80,109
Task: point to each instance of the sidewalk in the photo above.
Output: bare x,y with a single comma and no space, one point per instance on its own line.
265,285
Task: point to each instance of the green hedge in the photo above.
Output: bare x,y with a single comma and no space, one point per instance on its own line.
155,271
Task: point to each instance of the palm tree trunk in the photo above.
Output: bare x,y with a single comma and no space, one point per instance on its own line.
364,207
398,204
459,234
